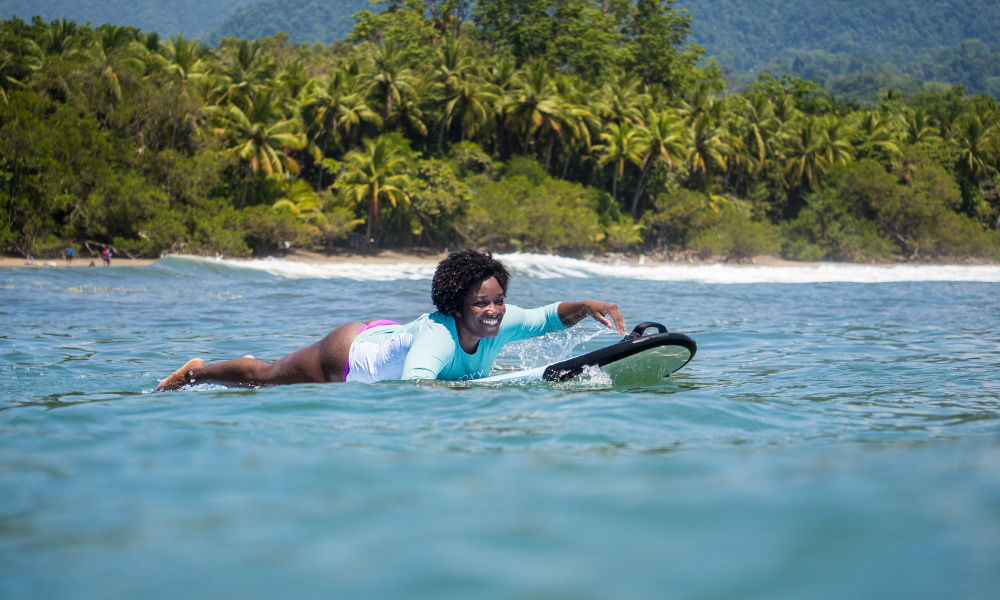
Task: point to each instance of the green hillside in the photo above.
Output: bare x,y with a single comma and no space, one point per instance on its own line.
303,20
189,17
745,33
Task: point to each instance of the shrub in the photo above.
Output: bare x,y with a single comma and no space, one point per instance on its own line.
826,228
518,212
735,236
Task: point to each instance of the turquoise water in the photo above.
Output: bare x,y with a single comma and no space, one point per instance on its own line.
837,435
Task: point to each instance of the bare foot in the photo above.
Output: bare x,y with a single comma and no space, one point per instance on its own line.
181,376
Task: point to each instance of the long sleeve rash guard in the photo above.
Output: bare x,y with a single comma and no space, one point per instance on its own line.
435,352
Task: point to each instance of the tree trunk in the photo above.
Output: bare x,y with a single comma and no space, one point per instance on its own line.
319,184
245,188
441,135
614,187
548,157
638,187
569,157
388,107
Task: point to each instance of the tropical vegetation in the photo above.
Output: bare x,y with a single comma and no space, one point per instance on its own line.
574,127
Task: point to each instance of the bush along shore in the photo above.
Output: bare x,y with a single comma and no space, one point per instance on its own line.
549,127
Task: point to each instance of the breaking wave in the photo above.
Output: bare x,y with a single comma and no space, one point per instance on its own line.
543,266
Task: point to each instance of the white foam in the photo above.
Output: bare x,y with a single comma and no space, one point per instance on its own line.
543,266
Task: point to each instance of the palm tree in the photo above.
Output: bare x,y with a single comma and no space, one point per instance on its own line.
387,76
452,64
708,148
338,105
760,125
622,143
301,200
472,102
20,58
919,127
834,144
534,104
804,158
879,130
622,100
63,39
373,175
978,146
184,56
667,139
248,68
260,136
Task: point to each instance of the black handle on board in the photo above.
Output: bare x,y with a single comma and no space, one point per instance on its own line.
642,327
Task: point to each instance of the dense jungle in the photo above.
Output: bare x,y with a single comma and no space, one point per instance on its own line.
571,127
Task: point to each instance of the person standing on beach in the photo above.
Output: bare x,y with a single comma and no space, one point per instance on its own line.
69,256
105,258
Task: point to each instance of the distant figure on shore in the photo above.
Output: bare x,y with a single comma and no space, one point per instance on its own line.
106,257
69,256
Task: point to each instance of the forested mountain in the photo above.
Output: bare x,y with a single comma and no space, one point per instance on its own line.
745,33
188,17
303,20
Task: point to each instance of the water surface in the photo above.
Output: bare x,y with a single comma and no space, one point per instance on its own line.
836,436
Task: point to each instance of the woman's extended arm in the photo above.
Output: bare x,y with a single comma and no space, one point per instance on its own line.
571,313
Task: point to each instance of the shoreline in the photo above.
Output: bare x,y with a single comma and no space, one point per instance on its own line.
432,257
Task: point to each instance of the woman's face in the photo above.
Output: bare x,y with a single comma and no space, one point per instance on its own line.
483,309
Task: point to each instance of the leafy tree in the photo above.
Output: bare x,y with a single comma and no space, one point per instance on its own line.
375,174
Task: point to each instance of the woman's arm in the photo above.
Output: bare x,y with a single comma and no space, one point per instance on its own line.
571,313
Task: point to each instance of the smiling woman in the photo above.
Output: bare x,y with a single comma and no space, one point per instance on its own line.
460,341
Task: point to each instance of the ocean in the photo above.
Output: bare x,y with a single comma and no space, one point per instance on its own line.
836,436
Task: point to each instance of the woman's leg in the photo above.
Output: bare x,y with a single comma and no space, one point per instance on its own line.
321,362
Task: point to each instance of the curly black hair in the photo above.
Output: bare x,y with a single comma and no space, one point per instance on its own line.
457,273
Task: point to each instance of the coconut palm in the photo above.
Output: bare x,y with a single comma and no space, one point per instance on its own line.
260,136
621,99
338,107
804,154
63,39
301,200
708,148
878,129
667,139
760,125
622,143
472,104
387,76
919,127
534,103
184,57
834,144
20,58
978,146
247,68
374,174
451,64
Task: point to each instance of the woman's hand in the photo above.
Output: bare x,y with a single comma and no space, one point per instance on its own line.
605,313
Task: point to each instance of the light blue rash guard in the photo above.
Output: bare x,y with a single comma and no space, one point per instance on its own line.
435,352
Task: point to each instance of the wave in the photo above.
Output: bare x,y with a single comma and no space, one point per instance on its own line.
542,266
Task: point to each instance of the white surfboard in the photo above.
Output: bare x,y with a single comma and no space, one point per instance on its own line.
638,360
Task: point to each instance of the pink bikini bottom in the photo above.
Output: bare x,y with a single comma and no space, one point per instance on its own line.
366,327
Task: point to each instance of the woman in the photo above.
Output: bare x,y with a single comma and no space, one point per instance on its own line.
459,341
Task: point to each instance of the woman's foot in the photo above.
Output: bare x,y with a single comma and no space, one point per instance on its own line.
182,376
